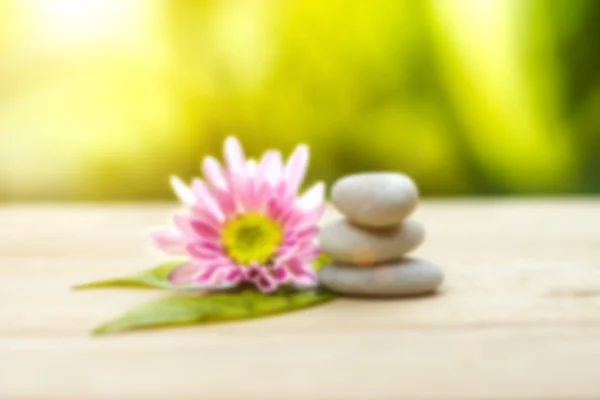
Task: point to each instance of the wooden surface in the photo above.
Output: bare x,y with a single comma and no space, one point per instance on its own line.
518,316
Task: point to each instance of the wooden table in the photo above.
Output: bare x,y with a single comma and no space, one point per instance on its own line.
518,316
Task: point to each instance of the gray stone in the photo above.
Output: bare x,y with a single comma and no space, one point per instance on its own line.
348,243
375,199
406,277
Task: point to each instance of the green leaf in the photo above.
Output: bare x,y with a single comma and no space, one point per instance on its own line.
151,278
320,261
186,309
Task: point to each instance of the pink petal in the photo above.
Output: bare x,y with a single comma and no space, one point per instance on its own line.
226,275
283,193
292,218
251,201
253,272
206,277
312,198
234,275
199,213
303,250
308,219
242,191
296,168
204,230
265,283
200,250
304,281
212,244
306,233
207,199
183,222
287,250
169,241
222,260
234,156
314,214
226,202
289,241
275,208
251,168
280,274
270,167
183,192
183,274
308,253
299,268
262,192
213,172
286,215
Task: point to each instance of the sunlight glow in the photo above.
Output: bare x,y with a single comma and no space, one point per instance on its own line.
83,21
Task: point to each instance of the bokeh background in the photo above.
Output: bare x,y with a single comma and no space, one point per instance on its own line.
104,99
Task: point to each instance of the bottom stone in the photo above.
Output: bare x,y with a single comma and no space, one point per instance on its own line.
405,277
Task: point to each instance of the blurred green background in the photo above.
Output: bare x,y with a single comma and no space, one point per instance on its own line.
104,99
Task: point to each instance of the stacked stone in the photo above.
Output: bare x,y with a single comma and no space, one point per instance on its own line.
369,246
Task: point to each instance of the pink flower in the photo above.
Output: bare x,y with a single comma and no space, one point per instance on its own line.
246,223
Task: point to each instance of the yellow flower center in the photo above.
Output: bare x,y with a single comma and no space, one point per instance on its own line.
251,237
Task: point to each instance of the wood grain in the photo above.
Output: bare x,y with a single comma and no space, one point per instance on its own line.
518,316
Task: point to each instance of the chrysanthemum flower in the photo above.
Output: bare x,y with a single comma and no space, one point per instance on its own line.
246,223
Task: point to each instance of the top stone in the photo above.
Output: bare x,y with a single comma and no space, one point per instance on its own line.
375,199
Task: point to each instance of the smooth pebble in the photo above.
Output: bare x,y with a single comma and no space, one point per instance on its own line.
348,243
375,199
407,277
